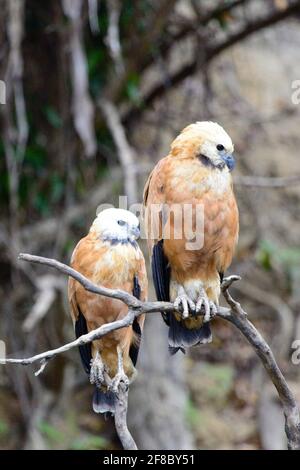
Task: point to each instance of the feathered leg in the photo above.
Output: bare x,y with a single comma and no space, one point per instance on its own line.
120,375
103,399
97,370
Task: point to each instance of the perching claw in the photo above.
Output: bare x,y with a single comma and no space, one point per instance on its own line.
120,376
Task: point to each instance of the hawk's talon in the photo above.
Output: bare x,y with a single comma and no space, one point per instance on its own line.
119,378
211,313
184,305
210,309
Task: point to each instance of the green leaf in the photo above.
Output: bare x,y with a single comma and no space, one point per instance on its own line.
289,256
53,117
41,203
35,156
3,428
95,58
217,382
132,89
265,254
223,21
51,432
191,413
89,443
270,254
4,184
57,188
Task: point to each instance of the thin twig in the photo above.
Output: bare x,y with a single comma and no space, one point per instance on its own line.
125,151
93,16
113,35
82,104
267,182
48,287
121,405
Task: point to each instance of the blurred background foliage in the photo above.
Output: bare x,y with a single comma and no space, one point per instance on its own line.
84,80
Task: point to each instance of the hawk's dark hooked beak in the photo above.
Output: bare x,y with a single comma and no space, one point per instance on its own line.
135,231
229,160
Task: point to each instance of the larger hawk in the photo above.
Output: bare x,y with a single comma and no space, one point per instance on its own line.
188,263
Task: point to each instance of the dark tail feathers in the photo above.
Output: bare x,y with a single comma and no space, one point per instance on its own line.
104,401
181,337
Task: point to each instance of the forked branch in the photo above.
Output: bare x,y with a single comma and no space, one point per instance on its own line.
235,315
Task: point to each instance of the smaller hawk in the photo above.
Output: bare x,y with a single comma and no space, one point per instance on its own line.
109,256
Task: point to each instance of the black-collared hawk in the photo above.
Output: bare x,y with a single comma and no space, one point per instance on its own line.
191,251
109,256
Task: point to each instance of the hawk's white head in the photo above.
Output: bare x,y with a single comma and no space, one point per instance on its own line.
116,226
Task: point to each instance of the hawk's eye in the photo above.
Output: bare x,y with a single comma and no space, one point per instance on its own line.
121,222
220,147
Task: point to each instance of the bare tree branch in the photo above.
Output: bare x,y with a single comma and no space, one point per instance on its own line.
93,16
126,438
48,286
254,26
131,301
15,125
15,32
211,51
226,7
142,45
267,182
113,36
125,152
45,357
83,108
188,28
236,316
